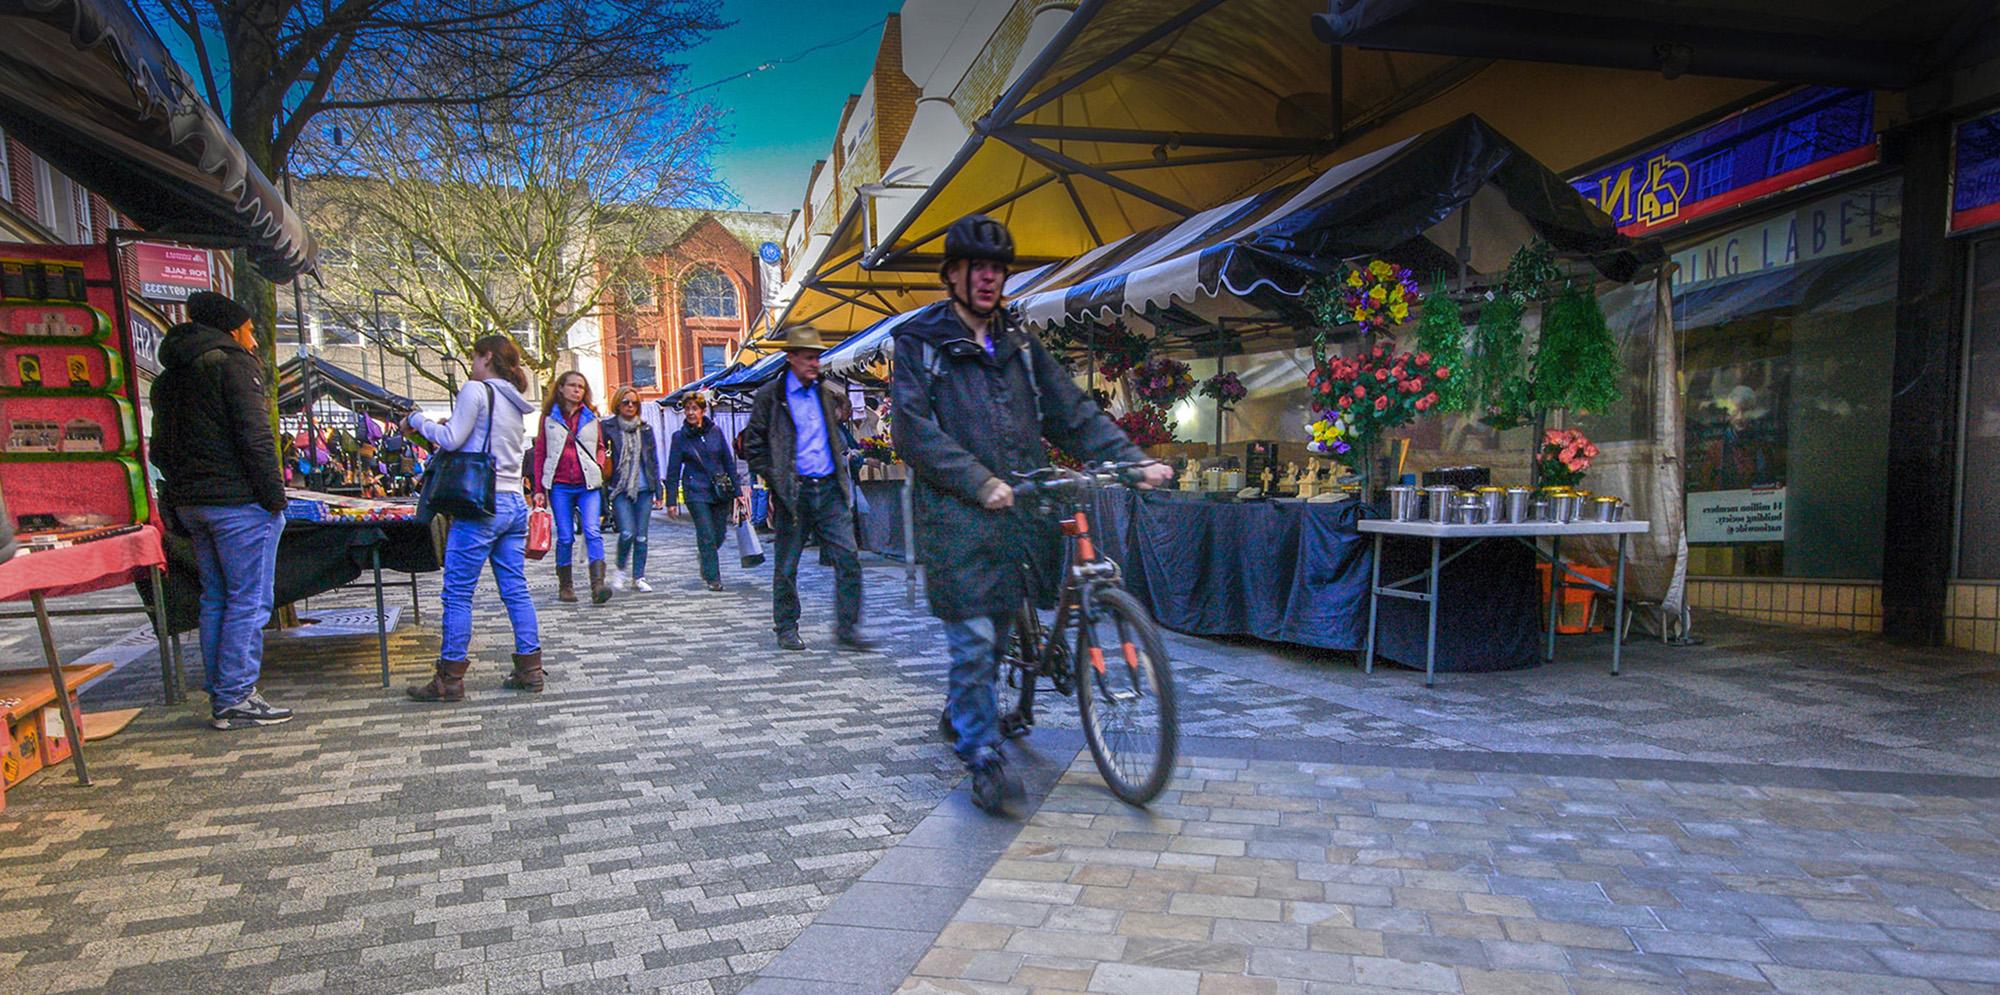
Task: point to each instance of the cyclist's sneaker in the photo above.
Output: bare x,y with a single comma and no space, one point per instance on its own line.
994,786
946,730
251,711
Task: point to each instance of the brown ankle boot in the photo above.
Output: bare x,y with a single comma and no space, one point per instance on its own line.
600,592
448,684
566,584
527,675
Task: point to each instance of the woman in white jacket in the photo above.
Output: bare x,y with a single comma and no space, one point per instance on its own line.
492,397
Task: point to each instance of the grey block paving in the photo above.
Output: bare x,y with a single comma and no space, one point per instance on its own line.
689,809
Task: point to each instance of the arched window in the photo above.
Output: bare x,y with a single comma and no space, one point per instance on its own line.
707,293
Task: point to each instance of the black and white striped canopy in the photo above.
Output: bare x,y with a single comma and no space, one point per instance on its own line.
1413,201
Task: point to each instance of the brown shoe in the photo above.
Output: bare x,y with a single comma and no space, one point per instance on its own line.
527,675
600,592
448,684
565,584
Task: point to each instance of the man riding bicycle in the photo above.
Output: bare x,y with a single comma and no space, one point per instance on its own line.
974,397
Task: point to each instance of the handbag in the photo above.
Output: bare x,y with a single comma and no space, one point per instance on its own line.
461,484
541,531
747,544
716,481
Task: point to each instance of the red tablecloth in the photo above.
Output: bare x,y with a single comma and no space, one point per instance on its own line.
92,566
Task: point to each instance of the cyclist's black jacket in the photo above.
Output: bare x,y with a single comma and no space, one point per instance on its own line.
961,417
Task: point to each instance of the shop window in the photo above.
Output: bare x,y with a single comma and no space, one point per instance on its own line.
707,293
1715,174
644,363
1787,339
1979,478
714,358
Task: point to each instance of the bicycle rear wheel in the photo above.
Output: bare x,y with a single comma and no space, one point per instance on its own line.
1125,696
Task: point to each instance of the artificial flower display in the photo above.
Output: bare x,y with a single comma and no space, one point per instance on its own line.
1225,389
1162,381
1565,456
1379,295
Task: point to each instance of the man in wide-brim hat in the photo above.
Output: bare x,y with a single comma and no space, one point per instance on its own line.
794,442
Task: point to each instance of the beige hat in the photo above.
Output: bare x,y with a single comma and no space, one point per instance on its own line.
803,338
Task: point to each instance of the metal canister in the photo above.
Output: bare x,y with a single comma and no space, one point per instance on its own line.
1604,509
1566,506
1467,509
1519,504
1618,513
1493,501
1539,510
1405,500
1437,502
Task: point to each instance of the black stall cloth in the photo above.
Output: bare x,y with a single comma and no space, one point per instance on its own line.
1297,572
313,559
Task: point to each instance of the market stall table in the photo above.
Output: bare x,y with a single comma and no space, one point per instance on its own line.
1526,533
317,557
81,569
1297,572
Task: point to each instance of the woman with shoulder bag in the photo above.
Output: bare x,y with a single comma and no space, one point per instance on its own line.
488,416
701,471
568,462
633,481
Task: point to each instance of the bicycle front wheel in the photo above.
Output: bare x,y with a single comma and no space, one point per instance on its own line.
1125,696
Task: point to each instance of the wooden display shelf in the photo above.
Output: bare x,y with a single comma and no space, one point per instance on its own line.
35,690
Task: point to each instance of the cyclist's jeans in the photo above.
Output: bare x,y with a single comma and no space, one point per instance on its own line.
976,647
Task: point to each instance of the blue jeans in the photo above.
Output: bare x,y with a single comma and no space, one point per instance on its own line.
501,540
710,519
822,510
236,556
976,646
572,501
635,521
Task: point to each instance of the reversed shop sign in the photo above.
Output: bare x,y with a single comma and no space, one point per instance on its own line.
171,272
1849,221
1805,135
1975,176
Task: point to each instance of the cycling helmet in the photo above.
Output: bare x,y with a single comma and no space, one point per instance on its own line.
977,236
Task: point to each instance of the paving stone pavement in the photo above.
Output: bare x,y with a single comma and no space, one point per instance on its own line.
684,801
1287,878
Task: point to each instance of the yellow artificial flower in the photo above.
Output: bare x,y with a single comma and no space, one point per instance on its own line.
1377,294
1354,278
1380,269
1396,292
1399,311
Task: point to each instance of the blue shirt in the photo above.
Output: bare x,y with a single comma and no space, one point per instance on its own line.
812,456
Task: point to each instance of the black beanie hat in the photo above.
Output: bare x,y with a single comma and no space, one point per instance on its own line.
216,311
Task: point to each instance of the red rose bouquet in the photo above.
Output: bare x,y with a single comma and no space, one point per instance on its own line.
1377,389
1147,425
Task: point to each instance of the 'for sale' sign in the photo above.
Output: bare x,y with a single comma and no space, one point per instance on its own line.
171,272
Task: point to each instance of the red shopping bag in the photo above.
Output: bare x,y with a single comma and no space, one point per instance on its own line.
541,532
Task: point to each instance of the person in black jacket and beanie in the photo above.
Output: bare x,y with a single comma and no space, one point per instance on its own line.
221,486
974,396
701,475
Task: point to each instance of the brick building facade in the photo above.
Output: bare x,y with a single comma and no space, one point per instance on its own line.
703,291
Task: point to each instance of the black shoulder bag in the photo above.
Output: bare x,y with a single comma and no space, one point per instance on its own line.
461,484
716,481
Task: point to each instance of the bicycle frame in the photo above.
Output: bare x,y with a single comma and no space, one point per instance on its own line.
1086,573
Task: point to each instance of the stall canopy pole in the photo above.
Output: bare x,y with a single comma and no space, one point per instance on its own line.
305,353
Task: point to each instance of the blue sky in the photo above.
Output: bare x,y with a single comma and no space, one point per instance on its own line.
782,119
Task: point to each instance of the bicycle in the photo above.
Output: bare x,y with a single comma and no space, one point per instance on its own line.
1130,719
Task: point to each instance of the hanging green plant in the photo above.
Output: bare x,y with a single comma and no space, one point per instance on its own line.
1531,271
1500,390
1576,365
1441,335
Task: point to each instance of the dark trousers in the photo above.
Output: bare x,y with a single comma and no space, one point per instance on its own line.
822,510
709,519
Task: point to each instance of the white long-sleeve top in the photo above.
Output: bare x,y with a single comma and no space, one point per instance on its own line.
465,430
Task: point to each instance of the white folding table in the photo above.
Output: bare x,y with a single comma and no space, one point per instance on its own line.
1528,534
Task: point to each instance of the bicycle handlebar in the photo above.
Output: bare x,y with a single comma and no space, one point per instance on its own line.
1058,482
